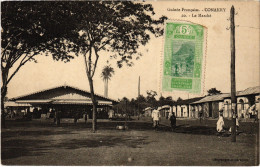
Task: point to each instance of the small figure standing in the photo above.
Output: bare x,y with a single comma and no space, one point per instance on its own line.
193,112
173,121
86,117
58,117
256,116
76,117
200,116
110,114
220,123
156,118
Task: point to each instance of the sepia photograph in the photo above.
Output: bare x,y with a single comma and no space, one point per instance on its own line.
130,83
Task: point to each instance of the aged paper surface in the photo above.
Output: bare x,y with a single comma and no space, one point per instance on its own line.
141,145
211,14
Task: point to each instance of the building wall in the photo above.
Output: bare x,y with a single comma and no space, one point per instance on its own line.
174,108
198,108
242,106
205,110
179,111
192,111
182,111
227,108
257,100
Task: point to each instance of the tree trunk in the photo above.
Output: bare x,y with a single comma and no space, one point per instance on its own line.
94,118
3,95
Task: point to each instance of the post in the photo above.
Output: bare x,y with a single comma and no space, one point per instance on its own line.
125,113
139,86
188,107
138,98
233,76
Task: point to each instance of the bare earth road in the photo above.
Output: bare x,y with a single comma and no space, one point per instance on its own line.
40,142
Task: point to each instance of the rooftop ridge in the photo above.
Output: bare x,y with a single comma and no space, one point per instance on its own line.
65,86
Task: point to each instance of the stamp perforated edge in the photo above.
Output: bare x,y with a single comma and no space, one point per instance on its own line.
204,60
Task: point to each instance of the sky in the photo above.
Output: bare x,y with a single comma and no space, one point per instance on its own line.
48,73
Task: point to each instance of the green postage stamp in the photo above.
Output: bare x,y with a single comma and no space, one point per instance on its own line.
184,57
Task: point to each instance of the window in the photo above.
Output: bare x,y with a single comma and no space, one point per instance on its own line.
241,101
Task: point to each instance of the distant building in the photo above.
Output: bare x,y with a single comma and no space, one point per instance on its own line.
184,109
245,99
148,111
164,110
210,105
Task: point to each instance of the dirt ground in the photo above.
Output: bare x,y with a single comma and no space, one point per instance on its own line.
40,142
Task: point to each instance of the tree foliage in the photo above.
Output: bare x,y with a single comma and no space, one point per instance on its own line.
144,102
106,75
179,99
30,29
213,91
116,27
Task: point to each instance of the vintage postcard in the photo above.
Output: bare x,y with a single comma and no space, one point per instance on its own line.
130,83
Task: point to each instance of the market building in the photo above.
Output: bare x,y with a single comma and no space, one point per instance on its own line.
66,99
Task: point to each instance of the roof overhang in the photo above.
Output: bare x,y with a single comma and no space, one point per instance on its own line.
34,101
52,101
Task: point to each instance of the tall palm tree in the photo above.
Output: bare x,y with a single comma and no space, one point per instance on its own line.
106,74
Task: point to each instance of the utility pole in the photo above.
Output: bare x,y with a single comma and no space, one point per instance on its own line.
138,98
233,74
125,113
188,108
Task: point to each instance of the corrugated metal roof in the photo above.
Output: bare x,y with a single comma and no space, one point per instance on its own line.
187,101
65,86
249,91
218,97
79,102
33,101
14,104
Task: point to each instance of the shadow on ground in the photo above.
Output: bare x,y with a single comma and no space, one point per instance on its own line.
40,132
26,138
108,141
21,147
24,142
185,128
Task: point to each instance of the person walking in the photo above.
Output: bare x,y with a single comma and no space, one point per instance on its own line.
156,118
173,121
